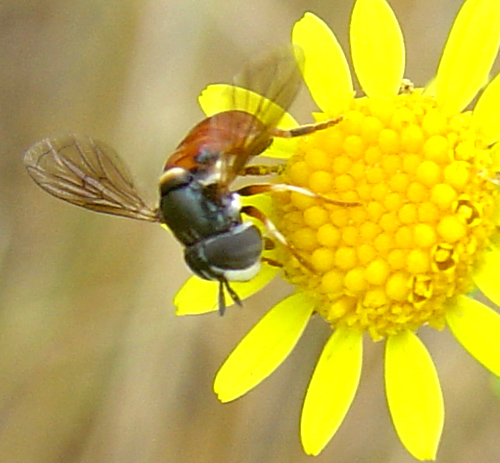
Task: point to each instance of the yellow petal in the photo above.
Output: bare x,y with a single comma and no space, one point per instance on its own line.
263,349
217,98
486,276
262,201
332,389
487,112
196,296
326,71
477,328
414,395
281,148
199,296
495,159
377,48
468,55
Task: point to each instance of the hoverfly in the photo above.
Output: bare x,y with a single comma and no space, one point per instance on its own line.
196,202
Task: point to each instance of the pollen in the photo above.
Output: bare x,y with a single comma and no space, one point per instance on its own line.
426,190
321,181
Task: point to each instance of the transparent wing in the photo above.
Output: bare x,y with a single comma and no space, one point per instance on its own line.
275,79
265,88
87,173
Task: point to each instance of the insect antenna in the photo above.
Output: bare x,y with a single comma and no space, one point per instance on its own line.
223,283
222,299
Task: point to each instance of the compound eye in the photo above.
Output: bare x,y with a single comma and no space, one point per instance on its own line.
238,249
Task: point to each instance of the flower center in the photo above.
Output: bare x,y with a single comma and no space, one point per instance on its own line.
424,183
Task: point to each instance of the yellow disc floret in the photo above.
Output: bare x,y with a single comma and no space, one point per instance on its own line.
423,180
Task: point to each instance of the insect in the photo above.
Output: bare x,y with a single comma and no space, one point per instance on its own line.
196,202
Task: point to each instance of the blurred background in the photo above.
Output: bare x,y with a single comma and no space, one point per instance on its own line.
94,365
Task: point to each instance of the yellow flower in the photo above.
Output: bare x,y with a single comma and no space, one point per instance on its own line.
425,174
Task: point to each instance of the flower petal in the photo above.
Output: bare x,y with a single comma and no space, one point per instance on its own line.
487,112
414,395
469,54
486,278
281,148
196,296
377,48
326,70
263,349
332,389
199,296
217,98
261,201
495,159
477,328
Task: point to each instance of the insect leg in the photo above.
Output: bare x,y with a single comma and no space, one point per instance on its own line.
258,188
271,262
222,299
269,244
305,129
259,170
275,233
223,283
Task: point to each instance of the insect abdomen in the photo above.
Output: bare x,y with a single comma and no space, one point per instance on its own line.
223,133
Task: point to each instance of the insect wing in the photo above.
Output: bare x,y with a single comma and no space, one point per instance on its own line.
275,79
87,173
265,88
